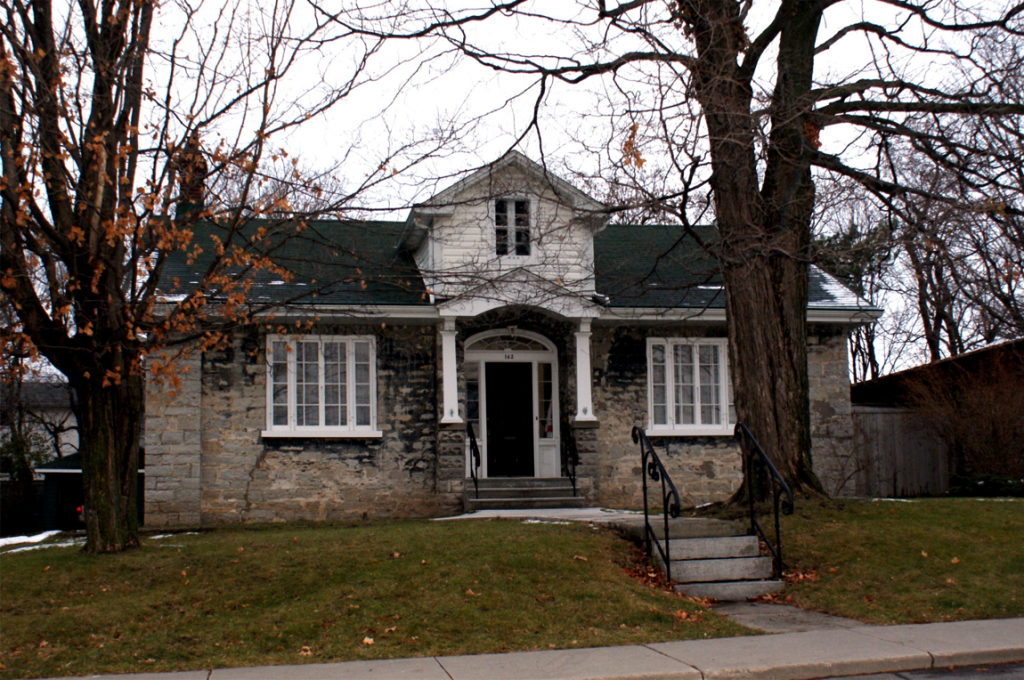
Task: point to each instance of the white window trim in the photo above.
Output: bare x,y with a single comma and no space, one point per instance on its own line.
511,256
351,431
672,429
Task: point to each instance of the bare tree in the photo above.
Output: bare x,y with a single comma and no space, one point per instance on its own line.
122,123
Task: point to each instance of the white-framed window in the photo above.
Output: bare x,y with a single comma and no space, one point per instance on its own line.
689,391
512,232
321,386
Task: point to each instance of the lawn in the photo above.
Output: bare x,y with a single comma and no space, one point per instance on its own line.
907,562
316,593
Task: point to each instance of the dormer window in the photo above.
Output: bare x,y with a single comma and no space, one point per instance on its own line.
512,227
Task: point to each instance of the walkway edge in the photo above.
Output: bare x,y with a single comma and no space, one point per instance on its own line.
787,656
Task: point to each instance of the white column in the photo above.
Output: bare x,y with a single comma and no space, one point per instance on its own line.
450,374
584,389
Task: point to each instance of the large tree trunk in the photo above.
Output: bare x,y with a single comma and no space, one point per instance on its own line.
764,229
110,422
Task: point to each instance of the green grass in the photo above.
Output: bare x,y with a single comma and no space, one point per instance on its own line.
294,594
908,562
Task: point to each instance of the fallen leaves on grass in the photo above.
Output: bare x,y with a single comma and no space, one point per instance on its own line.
367,641
955,560
581,558
801,576
305,651
683,615
469,591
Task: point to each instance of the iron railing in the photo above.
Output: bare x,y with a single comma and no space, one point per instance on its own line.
758,468
572,459
474,458
650,466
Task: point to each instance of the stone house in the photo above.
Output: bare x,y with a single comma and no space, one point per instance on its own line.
504,310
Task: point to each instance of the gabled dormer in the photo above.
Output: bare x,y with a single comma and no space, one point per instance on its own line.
512,214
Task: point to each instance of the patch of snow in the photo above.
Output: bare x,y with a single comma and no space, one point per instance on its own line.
183,533
839,295
61,544
544,521
14,540
277,282
894,500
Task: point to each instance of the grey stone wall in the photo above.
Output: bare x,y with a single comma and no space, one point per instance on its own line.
237,476
173,423
246,478
832,445
704,469
207,462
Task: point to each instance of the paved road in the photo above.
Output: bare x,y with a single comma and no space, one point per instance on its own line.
999,672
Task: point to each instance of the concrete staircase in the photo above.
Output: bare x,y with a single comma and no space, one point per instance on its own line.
712,558
521,493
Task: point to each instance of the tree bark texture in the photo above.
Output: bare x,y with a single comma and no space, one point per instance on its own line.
109,421
764,225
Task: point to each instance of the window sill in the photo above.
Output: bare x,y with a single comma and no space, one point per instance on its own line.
322,433
698,431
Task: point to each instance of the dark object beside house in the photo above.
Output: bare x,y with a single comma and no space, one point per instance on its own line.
62,495
953,426
20,508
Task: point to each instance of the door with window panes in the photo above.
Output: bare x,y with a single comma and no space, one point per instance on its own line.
512,403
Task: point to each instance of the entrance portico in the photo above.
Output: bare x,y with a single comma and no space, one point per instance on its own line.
509,378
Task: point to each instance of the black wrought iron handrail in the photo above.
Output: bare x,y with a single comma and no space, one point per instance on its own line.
474,458
572,459
757,465
650,466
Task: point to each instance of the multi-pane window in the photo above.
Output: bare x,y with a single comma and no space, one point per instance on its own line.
689,389
320,385
512,227
546,416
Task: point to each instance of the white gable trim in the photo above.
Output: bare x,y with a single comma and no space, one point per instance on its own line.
439,203
522,288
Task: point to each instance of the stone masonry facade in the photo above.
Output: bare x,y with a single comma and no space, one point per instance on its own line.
832,442
208,464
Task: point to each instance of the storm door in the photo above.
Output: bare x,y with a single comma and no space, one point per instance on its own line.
510,418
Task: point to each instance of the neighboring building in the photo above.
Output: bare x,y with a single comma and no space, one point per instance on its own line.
47,408
918,429
505,304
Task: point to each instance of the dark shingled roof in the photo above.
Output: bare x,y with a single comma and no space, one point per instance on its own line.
651,265
658,265
350,262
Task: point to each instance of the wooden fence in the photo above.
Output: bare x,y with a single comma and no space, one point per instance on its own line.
898,453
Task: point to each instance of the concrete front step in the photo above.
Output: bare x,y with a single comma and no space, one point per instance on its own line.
523,492
726,569
712,548
680,528
730,591
524,503
520,482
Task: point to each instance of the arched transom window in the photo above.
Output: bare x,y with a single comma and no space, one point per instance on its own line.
506,343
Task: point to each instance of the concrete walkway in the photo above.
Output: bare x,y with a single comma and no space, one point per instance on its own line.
788,656
781,618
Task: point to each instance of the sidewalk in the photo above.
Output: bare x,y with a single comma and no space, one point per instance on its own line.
789,656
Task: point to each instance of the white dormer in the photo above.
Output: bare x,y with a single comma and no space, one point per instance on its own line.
510,215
